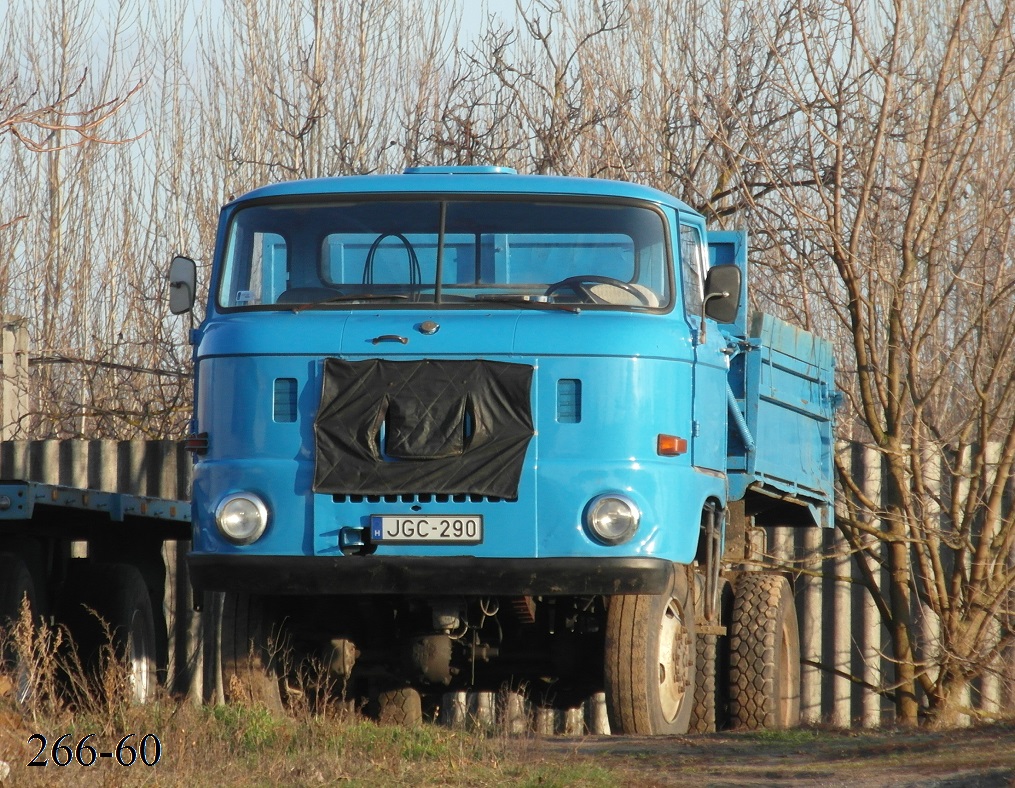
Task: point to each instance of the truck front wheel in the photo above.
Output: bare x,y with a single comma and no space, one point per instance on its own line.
399,706
649,667
764,654
253,649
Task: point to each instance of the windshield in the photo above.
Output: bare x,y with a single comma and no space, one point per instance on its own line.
458,253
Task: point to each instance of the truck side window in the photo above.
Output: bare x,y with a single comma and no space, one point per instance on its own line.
256,269
692,269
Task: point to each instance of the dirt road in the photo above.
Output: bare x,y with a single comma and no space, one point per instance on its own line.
982,757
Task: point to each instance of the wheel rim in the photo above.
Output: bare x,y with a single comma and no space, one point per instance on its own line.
786,689
20,660
139,676
24,683
672,662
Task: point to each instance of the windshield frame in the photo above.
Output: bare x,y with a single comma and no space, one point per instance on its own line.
496,299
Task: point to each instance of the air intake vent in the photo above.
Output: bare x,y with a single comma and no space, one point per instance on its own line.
569,401
421,498
284,406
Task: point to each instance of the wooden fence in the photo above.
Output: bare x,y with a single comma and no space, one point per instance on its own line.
845,647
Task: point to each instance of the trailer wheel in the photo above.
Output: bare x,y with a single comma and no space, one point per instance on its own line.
649,668
399,706
253,649
764,654
711,694
16,586
97,597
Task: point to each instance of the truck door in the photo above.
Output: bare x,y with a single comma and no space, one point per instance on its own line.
711,364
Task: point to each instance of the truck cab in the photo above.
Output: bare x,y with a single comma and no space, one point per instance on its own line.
462,427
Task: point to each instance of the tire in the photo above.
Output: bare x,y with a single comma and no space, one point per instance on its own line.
97,597
649,665
764,654
711,710
399,706
253,650
15,586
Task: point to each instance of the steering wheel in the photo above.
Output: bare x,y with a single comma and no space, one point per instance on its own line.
579,285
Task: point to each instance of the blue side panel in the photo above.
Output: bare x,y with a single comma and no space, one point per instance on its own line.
782,403
789,407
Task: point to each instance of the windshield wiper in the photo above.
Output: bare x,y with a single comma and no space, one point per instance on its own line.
339,299
519,302
527,303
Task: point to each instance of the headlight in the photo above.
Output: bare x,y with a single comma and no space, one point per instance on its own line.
241,518
612,519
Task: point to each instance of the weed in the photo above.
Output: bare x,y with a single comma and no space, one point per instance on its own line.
32,665
249,728
566,775
790,737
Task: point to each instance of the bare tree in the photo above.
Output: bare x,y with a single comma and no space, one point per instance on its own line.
324,85
890,192
867,146
536,96
62,108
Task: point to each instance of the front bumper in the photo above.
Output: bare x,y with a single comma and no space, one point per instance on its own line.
440,576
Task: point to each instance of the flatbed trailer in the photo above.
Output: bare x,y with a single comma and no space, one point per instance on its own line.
79,555
27,500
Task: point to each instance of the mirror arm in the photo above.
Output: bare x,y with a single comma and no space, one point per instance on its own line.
709,297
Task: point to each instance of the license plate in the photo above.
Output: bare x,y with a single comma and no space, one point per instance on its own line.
432,529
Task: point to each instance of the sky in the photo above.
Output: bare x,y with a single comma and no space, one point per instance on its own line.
474,14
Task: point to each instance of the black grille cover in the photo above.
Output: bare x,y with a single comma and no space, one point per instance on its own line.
455,427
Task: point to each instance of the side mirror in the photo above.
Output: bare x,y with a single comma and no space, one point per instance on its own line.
182,282
722,293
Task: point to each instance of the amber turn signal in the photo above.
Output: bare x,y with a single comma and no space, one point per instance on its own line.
670,445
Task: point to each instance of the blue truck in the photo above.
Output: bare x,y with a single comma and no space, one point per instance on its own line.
460,428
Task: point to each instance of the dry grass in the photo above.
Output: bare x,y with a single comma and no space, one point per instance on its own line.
247,745
237,745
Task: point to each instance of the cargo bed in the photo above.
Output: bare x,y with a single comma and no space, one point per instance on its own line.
782,407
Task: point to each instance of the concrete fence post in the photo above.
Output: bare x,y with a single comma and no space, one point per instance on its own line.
14,380
811,627
872,648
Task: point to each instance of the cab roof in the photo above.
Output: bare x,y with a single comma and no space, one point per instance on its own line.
491,180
